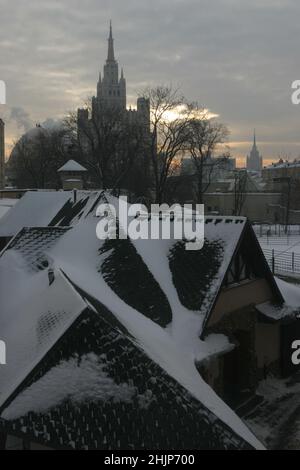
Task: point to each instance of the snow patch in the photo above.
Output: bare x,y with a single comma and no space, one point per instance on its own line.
79,382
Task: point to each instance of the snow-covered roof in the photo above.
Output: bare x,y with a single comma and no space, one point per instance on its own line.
98,387
31,321
72,166
291,306
6,205
43,208
282,164
135,286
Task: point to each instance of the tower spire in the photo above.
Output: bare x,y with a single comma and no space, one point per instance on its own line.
110,53
254,139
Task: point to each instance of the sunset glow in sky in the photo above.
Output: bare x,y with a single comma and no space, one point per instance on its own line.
234,57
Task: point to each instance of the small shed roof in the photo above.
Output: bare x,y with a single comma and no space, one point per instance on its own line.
71,165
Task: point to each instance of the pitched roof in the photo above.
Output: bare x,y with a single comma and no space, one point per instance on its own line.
96,388
34,243
32,321
6,205
71,165
43,208
134,286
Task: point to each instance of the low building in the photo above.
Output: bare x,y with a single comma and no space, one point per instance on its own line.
243,193
281,170
259,207
72,175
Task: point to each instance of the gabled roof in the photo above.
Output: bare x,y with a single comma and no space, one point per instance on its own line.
35,313
247,244
72,166
137,287
44,208
95,388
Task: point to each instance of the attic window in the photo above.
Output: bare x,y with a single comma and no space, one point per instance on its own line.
239,271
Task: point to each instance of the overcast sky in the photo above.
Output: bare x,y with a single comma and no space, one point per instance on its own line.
236,57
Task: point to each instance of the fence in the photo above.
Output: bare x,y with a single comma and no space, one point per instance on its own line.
282,261
276,230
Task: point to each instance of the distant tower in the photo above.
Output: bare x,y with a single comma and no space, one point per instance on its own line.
2,153
254,160
111,90
111,94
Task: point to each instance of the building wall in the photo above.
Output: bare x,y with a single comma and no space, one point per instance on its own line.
257,342
258,207
267,344
251,360
237,297
270,173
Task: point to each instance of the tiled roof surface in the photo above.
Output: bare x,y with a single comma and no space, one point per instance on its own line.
48,208
149,409
123,285
126,273
34,243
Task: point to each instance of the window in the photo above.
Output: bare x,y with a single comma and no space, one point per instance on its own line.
239,271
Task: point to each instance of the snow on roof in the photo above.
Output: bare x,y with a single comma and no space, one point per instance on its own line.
80,381
291,306
177,347
6,205
290,292
8,202
41,208
96,383
34,209
34,244
31,321
93,269
282,164
71,165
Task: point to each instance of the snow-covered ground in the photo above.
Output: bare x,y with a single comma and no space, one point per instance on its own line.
276,420
292,245
277,239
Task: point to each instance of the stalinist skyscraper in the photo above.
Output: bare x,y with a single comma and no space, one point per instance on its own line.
2,153
111,90
111,94
254,160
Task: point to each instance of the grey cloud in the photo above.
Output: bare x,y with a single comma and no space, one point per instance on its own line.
234,56
21,118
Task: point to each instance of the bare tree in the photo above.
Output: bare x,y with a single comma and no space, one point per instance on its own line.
108,143
37,156
205,135
240,187
169,130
